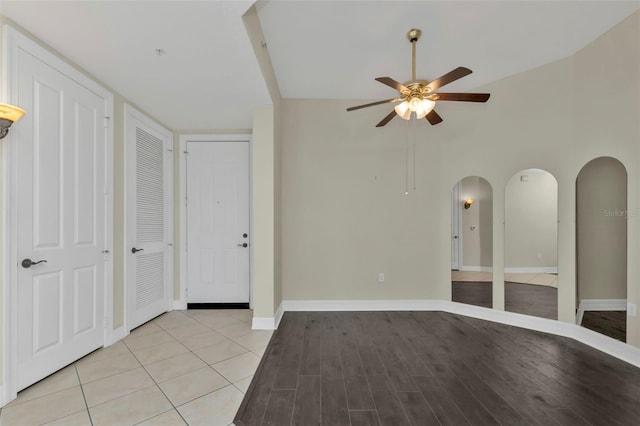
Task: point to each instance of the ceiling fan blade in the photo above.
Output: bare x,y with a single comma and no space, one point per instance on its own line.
386,101
433,117
392,83
387,119
464,97
449,77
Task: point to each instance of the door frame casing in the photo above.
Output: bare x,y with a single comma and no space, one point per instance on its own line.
181,303
13,41
131,113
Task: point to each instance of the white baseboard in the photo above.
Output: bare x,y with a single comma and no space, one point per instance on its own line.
476,269
531,270
596,340
361,305
268,323
180,305
118,334
263,323
599,305
278,316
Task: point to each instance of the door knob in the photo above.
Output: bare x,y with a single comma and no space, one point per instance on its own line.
27,263
135,250
243,245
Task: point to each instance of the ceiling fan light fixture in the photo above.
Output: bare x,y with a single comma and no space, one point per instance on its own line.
403,109
420,96
425,106
421,107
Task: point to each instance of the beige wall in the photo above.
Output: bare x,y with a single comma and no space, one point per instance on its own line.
263,206
477,228
267,167
531,220
344,213
612,128
601,227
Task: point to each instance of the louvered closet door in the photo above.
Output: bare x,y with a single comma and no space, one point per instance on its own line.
150,253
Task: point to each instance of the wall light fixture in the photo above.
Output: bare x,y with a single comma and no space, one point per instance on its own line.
9,114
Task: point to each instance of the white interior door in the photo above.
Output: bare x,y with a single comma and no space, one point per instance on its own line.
455,227
218,222
149,218
60,216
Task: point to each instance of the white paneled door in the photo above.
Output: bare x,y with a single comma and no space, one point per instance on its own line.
60,216
149,218
218,222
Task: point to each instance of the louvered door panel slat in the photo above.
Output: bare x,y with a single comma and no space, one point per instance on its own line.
150,188
149,278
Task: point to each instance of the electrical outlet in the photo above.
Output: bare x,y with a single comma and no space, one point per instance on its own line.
631,309
381,277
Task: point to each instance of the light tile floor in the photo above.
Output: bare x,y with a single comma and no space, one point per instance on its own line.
550,280
184,367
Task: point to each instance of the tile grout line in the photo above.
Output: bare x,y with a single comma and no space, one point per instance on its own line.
229,383
84,397
127,350
159,388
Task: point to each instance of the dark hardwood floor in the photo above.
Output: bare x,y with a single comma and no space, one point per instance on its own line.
540,301
479,293
433,368
529,299
609,323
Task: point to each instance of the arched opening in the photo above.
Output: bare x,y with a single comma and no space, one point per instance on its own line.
472,242
601,247
531,244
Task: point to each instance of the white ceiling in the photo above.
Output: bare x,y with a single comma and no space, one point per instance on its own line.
209,78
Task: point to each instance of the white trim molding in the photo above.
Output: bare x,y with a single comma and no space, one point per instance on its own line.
531,270
596,340
118,334
476,269
599,305
268,323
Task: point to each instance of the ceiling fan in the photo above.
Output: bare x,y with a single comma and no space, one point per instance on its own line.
420,96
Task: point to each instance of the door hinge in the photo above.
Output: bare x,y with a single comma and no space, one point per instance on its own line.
170,150
106,121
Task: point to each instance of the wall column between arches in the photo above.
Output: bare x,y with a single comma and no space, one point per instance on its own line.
498,249
566,251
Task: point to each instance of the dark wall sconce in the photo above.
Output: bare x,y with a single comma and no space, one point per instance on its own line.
9,114
467,203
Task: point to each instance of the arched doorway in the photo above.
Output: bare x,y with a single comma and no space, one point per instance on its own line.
531,244
472,242
601,247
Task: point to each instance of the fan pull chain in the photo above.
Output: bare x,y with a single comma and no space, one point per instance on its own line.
406,160
414,153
